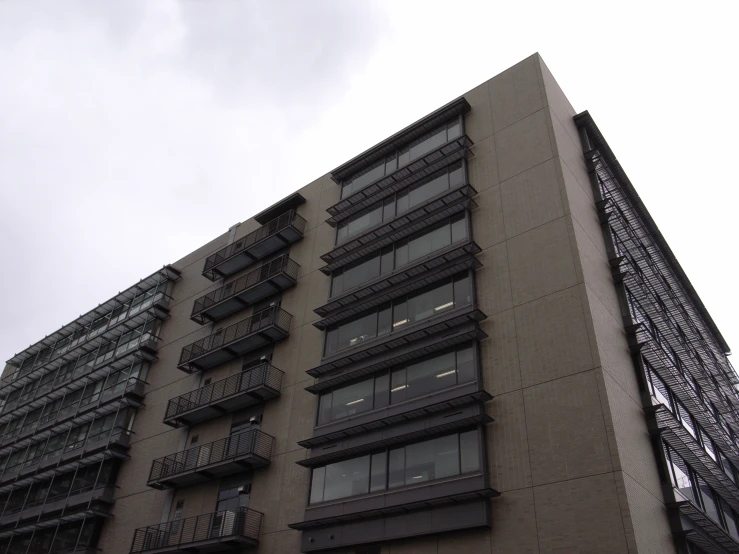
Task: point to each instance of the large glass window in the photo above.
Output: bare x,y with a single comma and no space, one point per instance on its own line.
680,474
447,179
414,150
406,310
428,460
435,373
399,254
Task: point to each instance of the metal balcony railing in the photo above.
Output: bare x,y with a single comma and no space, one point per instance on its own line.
252,447
286,228
263,381
237,526
277,275
270,325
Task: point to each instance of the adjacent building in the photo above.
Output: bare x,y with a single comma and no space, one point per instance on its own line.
471,336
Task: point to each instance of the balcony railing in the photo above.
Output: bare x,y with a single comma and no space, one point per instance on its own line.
262,328
212,460
269,238
227,395
203,533
275,276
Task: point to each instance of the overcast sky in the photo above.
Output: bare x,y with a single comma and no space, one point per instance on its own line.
133,132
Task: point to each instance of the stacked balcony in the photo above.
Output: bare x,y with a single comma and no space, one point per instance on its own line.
262,328
236,453
271,278
225,531
274,235
250,387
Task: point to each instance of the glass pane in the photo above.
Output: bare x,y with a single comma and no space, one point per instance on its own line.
332,340
364,221
386,264
465,366
398,387
456,176
434,141
402,202
459,229
353,399
446,456
347,478
401,254
391,164
419,465
356,332
404,157
435,186
337,283
731,522
709,501
469,447
359,273
324,408
382,383
363,180
396,468
680,476
317,482
378,476
429,242
430,303
388,208
453,130
462,291
431,375
384,320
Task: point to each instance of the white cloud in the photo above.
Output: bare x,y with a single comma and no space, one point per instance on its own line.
133,132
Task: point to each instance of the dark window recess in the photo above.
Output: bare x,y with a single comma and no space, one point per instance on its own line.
421,377
194,439
255,359
448,178
233,498
396,255
400,313
207,382
402,157
411,464
249,418
269,302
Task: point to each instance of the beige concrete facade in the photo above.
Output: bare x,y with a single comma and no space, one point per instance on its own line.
569,449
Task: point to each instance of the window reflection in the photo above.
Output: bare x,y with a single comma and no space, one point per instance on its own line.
416,379
416,149
407,310
420,462
399,254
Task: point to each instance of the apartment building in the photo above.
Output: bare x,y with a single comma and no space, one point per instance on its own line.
471,336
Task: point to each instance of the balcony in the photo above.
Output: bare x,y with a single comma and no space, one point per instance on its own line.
257,245
226,531
213,460
262,328
271,278
247,388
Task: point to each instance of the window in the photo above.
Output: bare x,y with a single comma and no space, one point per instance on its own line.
397,255
403,311
177,517
428,460
708,500
233,498
389,164
680,475
447,179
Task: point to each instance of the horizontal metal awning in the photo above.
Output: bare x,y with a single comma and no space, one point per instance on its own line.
671,430
445,155
427,264
386,343
413,131
457,402
393,510
706,525
398,287
428,432
421,217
